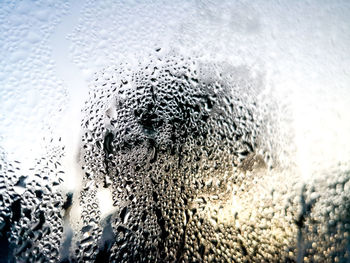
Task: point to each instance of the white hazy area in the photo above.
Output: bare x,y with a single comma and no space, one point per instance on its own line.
49,52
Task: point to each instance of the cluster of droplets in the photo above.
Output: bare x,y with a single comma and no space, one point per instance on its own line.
323,217
187,150
159,138
31,209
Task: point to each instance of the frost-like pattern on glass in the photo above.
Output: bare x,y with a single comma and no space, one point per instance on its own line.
211,132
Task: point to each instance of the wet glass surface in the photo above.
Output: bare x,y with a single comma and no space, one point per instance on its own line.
190,131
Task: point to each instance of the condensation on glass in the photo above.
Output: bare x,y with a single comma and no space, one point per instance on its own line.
189,131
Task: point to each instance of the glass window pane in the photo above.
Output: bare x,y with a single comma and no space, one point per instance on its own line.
182,131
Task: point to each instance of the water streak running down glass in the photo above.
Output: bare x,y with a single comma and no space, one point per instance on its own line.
182,131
